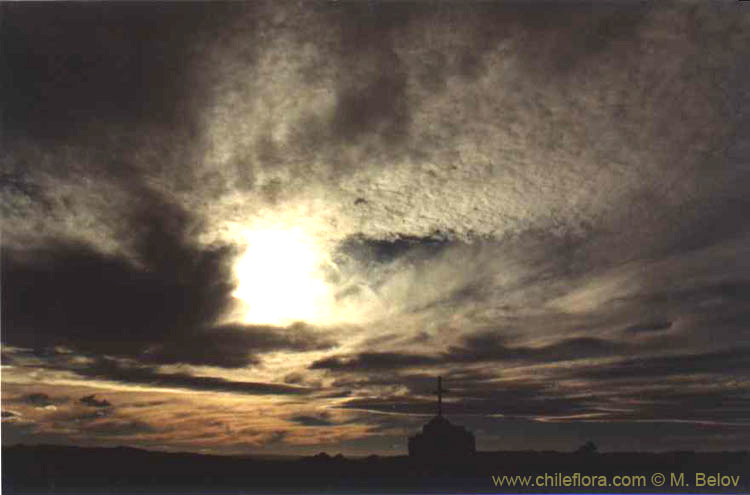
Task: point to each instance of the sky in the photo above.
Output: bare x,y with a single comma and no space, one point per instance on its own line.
267,227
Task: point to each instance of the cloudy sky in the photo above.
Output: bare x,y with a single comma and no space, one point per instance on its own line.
267,227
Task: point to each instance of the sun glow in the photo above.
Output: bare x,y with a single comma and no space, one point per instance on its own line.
279,278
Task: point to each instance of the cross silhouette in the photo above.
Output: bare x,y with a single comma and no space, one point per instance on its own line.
439,392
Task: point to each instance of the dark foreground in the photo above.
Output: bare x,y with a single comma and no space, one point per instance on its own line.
49,469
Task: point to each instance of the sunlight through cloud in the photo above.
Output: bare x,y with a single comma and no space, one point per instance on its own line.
279,278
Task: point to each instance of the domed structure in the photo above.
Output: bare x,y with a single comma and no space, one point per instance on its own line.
441,439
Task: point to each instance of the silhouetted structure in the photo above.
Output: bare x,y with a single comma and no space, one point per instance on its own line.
441,439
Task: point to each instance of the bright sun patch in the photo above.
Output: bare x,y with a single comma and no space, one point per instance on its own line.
279,278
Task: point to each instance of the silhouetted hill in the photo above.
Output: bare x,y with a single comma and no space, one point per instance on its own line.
53,469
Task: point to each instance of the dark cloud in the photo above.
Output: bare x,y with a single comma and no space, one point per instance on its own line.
719,361
371,94
364,250
105,304
41,400
101,303
106,369
38,400
91,400
368,361
587,31
700,404
234,345
649,327
478,348
377,108
322,419
73,66
488,347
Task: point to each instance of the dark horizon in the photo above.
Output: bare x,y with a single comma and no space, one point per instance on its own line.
75,469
